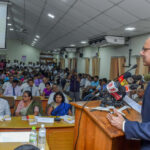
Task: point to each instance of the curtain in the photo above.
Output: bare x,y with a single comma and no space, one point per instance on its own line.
74,64
95,66
69,64
116,67
62,63
87,65
141,69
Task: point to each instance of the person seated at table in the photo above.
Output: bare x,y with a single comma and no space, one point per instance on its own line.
56,89
28,106
47,91
59,107
4,107
13,90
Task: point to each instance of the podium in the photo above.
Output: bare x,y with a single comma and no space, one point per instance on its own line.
95,131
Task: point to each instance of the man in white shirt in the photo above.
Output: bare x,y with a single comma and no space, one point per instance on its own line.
42,85
4,107
32,88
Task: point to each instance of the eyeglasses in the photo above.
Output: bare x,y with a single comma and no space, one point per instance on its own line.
145,49
24,96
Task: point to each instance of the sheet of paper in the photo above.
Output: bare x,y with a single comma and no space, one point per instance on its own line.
14,136
132,104
45,120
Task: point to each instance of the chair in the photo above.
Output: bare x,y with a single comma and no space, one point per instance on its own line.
37,98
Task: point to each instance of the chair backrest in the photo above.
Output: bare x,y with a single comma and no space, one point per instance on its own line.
37,98
10,99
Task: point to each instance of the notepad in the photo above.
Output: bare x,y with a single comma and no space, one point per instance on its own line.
14,136
45,119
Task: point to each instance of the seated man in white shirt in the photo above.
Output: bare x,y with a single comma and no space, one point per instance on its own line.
42,85
51,97
4,107
32,88
8,82
13,90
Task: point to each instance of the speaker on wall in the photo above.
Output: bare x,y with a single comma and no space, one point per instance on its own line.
81,54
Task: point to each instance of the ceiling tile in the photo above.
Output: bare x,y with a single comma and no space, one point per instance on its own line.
100,5
107,21
121,16
139,8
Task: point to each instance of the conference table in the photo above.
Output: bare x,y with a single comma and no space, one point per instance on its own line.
59,135
13,145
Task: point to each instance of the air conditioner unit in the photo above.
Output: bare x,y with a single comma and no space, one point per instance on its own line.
115,40
108,41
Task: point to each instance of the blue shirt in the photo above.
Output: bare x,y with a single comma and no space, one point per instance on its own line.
93,83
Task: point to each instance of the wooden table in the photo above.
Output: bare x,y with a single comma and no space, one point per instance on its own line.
96,133
13,145
59,134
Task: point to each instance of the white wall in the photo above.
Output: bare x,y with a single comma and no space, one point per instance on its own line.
105,54
15,50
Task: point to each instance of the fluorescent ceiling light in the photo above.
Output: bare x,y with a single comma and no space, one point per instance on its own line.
9,24
51,15
83,42
35,39
11,29
130,28
37,36
72,45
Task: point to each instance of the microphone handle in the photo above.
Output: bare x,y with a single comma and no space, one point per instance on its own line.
123,73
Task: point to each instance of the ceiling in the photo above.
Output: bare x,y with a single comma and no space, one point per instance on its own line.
75,20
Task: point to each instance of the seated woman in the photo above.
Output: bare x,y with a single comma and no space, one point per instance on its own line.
59,107
47,91
28,106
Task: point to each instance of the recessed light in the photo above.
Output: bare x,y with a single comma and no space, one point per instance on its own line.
83,42
8,17
51,15
35,39
9,24
72,45
37,36
130,28
11,29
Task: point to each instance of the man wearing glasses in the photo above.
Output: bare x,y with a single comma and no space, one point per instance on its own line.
135,129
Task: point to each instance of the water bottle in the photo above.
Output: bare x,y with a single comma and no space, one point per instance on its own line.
33,136
42,137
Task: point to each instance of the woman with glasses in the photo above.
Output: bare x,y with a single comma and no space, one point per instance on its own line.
28,106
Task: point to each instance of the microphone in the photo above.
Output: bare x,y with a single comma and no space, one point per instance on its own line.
135,66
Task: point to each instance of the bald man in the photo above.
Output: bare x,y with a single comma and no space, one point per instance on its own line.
133,129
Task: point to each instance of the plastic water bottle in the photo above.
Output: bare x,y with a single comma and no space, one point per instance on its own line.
42,137
33,136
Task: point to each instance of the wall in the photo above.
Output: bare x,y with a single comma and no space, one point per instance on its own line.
15,50
105,54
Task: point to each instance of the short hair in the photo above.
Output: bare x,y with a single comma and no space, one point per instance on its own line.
30,80
96,77
28,93
104,80
47,83
15,81
60,94
27,147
